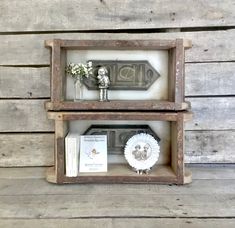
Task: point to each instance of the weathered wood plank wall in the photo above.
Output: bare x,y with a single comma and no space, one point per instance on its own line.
26,136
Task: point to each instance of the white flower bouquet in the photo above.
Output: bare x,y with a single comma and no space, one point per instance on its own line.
79,70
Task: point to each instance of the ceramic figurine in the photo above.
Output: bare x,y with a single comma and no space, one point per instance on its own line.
104,82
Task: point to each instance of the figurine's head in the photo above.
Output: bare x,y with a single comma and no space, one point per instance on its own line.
102,71
137,147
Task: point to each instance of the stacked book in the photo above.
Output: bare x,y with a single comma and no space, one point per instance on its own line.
86,153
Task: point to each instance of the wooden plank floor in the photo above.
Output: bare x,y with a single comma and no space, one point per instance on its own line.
27,200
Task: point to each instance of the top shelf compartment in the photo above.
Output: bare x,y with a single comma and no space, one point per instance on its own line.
142,58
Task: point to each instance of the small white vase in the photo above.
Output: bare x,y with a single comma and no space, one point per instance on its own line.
78,90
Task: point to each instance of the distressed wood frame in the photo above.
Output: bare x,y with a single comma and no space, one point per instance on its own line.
173,173
175,49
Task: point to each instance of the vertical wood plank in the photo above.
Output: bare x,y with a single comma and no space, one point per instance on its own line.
179,71
180,148
171,74
62,72
61,128
56,80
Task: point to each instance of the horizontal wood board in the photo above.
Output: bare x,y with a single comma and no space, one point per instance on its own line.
217,113
62,15
37,149
137,204
207,45
24,82
200,172
202,79
119,223
28,200
35,198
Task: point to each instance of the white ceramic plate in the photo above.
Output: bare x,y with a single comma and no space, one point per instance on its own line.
142,151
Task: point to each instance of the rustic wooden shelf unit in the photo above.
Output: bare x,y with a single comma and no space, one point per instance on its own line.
173,111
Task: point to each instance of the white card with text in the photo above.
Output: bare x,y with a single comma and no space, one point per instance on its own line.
93,153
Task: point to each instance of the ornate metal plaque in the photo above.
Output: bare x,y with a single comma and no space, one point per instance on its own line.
118,135
124,75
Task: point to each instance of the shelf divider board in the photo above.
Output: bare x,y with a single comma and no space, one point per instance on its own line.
150,105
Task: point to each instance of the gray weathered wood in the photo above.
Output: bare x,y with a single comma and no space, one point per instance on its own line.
207,46
29,115
201,79
23,172
38,186
116,14
24,115
200,147
31,201
209,79
60,223
212,171
210,146
34,202
119,223
200,172
118,205
24,82
26,149
216,113
174,222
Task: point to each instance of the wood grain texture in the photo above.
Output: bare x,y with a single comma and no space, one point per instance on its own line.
38,186
210,79
29,115
212,171
200,172
117,174
202,79
217,113
18,150
24,82
119,223
26,150
117,14
23,172
150,105
114,115
210,146
118,205
24,116
118,44
28,202
207,46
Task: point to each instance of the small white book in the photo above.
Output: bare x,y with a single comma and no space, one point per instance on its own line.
71,154
93,153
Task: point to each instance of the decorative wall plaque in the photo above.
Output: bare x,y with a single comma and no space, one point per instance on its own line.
118,135
124,75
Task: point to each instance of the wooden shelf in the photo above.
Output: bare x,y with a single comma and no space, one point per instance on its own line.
173,173
122,173
175,77
152,105
171,109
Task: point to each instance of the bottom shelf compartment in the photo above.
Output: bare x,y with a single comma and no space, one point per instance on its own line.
169,126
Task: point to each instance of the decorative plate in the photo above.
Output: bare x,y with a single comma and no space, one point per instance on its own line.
142,151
